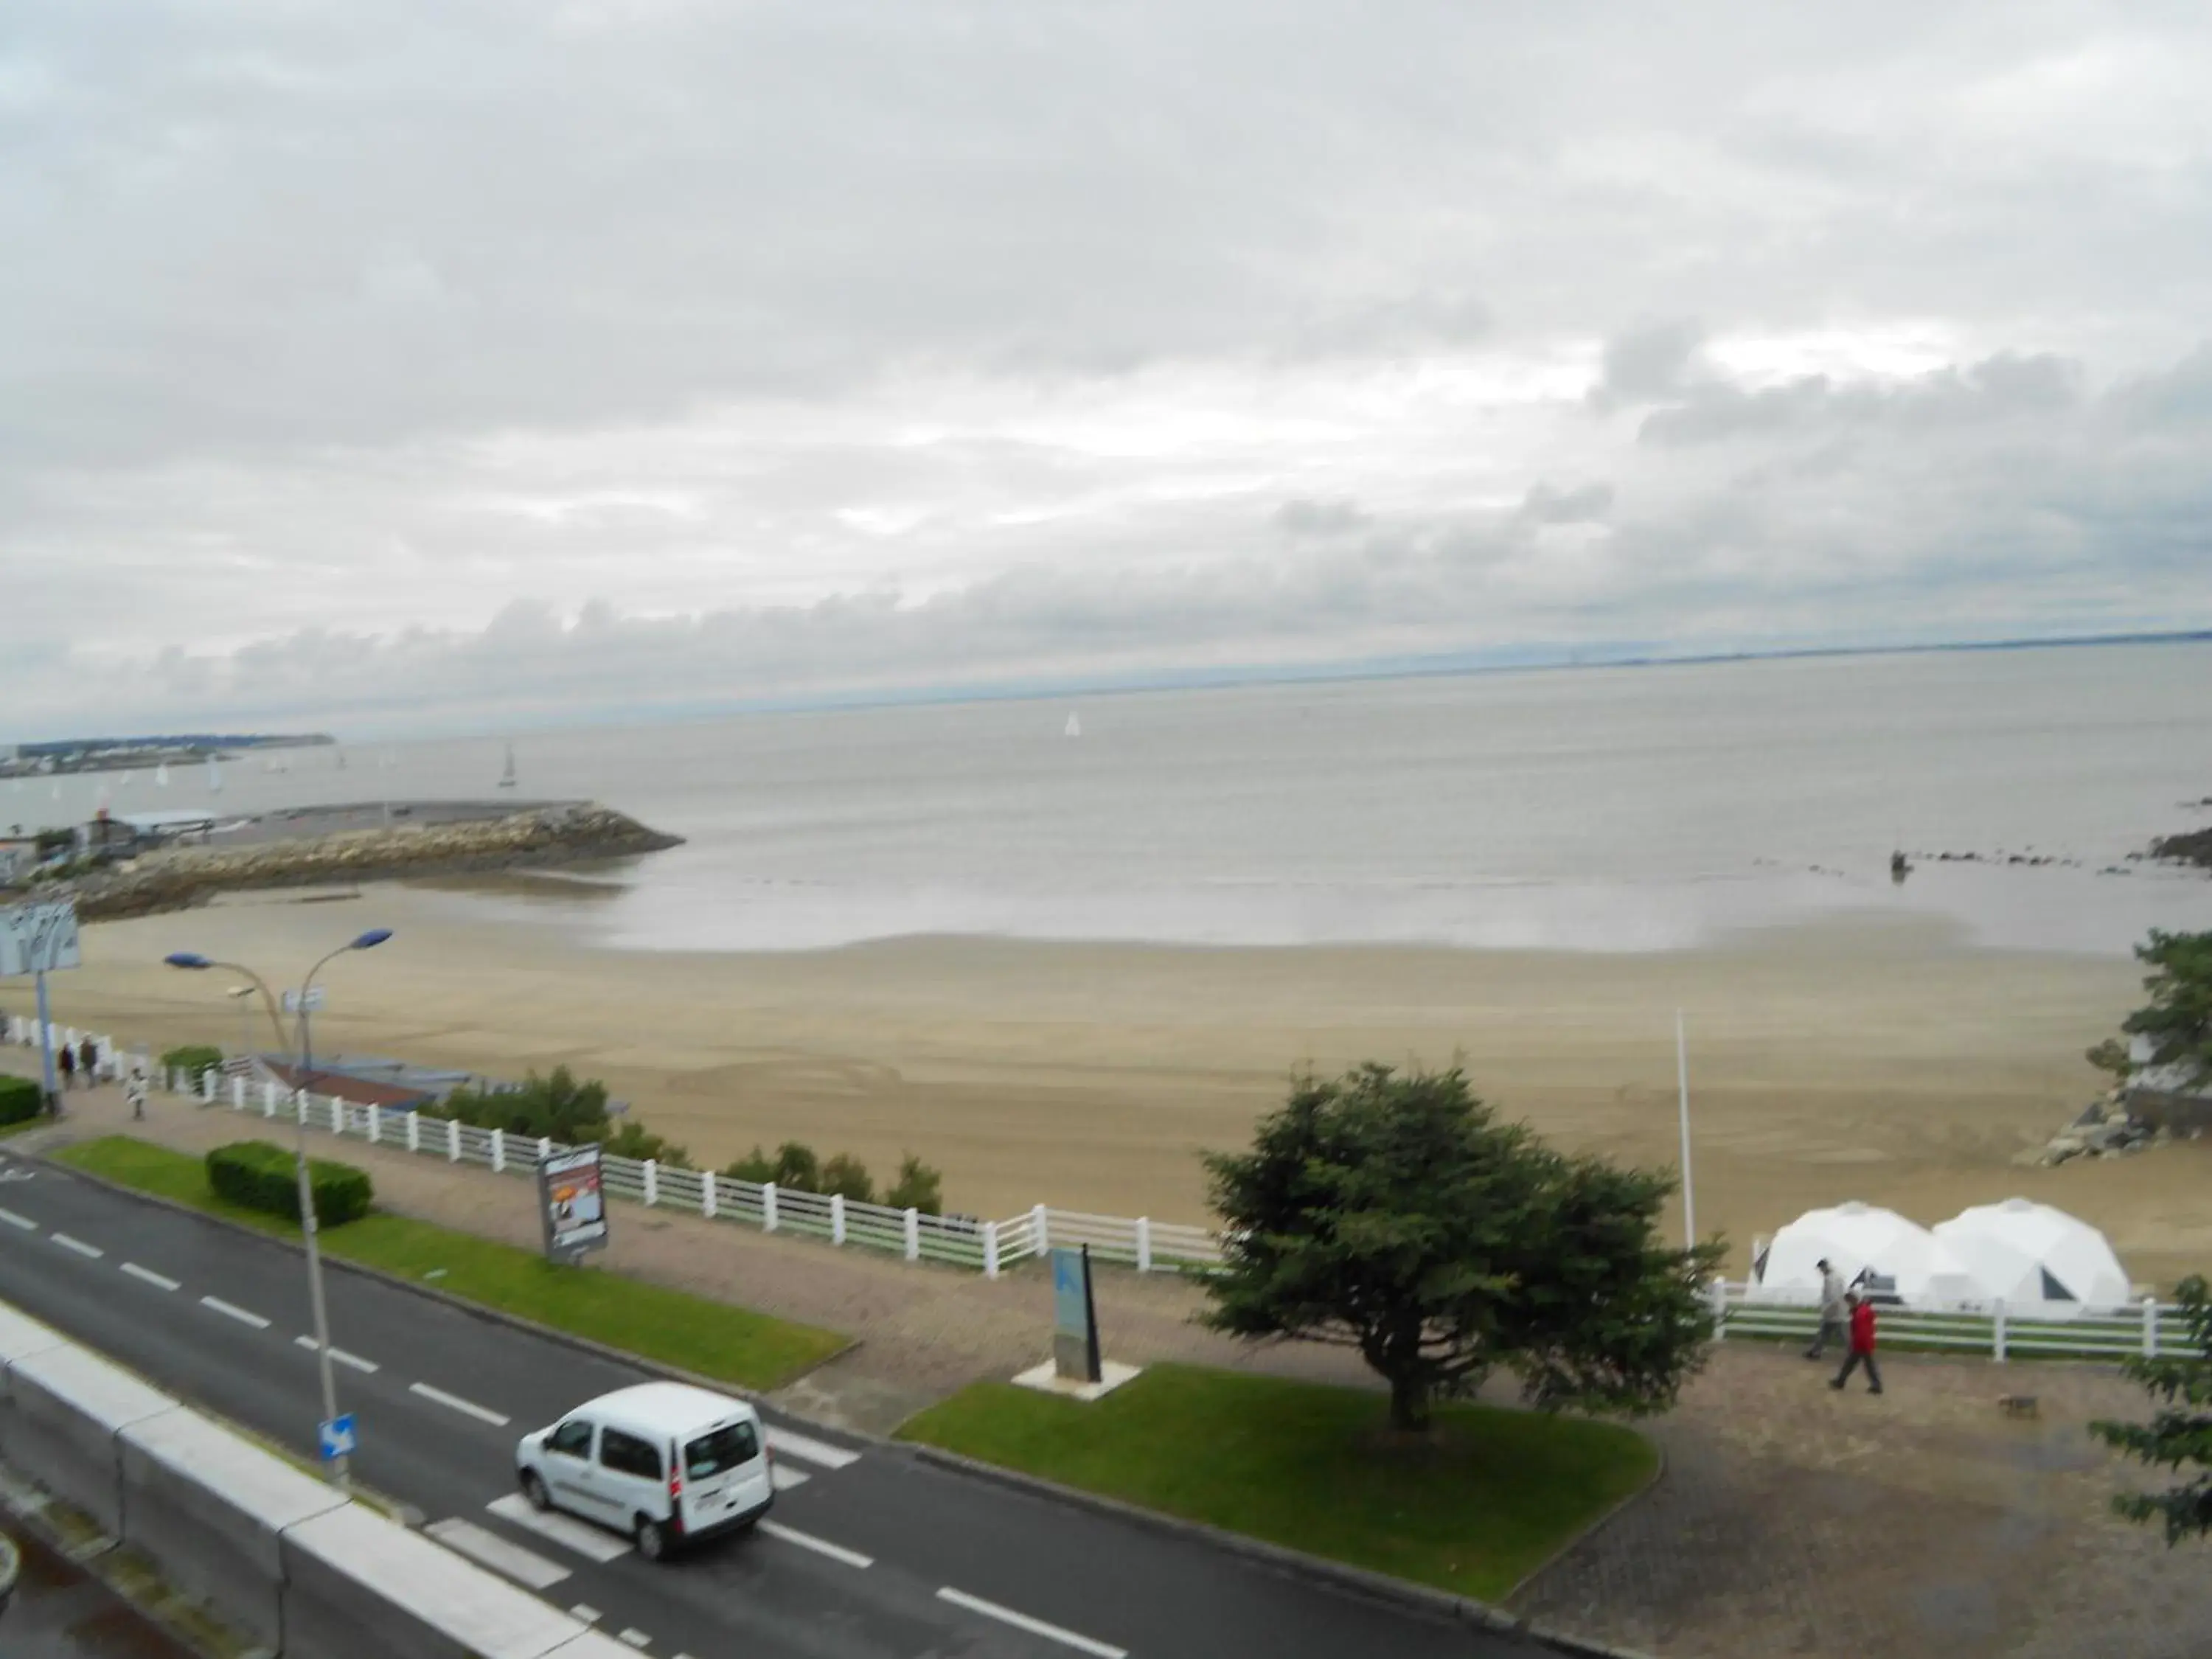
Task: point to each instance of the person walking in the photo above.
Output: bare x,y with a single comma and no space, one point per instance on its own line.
88,1061
67,1059
1831,1310
134,1090
1862,1353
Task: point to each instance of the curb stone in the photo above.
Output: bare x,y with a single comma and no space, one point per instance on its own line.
1437,1604
492,1315
1440,1605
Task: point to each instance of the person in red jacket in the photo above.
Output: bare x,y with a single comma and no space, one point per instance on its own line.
1862,1353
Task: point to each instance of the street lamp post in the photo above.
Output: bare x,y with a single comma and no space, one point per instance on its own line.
238,993
309,1227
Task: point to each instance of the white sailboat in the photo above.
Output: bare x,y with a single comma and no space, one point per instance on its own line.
1074,725
161,775
215,777
507,778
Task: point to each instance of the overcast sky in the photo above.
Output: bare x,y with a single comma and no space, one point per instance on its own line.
436,366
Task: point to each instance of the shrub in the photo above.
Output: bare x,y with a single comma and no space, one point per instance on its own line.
192,1059
755,1166
635,1140
21,1100
918,1188
847,1177
557,1108
797,1166
258,1175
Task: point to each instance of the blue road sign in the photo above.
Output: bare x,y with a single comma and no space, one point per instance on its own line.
337,1438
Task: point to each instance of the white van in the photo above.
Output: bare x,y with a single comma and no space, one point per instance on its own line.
663,1461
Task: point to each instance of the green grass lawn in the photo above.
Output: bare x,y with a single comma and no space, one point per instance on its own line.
1493,1497
711,1338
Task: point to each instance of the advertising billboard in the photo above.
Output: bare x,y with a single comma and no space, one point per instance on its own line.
573,1203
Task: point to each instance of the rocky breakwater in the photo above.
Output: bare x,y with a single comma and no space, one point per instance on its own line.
539,839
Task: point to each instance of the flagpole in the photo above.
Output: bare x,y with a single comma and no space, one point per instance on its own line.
1682,1085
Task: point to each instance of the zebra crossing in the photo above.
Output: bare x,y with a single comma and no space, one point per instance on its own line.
490,1546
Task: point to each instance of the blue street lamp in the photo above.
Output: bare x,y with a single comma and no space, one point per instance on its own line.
308,1227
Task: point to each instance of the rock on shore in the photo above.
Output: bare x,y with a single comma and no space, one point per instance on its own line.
2192,847
180,877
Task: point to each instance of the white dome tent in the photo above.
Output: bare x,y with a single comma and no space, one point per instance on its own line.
2044,1262
1855,1238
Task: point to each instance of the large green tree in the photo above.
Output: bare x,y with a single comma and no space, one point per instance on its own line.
2177,1019
2179,1434
1395,1215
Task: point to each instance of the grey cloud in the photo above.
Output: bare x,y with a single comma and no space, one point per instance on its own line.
346,352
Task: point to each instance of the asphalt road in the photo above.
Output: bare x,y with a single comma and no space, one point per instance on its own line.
873,1554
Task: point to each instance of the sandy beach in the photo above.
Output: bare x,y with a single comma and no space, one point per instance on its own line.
1872,1059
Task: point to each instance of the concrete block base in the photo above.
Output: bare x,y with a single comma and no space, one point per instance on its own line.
1046,1379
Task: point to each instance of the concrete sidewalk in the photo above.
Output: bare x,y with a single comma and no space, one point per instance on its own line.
1790,1520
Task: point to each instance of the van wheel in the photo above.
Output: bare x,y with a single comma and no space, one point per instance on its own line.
533,1489
651,1542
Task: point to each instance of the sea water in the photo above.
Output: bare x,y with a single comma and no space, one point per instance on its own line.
1631,808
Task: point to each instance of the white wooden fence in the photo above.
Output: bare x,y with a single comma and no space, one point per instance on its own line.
959,1240
2149,1327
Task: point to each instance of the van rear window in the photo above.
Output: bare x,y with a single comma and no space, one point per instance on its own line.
723,1449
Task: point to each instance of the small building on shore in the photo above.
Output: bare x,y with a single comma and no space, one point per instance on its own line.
322,1080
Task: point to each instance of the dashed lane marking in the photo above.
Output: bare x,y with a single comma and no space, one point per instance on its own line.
22,1221
522,1565
454,1402
147,1275
1034,1627
785,1444
637,1638
78,1245
585,1538
243,1315
784,1480
338,1354
584,1613
820,1546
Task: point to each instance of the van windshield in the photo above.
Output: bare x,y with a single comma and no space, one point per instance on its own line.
721,1450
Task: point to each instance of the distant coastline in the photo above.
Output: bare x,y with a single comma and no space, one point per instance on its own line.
57,757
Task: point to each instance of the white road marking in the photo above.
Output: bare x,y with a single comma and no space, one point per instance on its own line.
22,1221
637,1638
241,1315
338,1354
784,1480
502,1557
1034,1627
158,1281
466,1407
79,1246
587,1541
586,1613
819,1546
785,1444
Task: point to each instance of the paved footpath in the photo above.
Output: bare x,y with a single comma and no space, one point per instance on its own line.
1791,1521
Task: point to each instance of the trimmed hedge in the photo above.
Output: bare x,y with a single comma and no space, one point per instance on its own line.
191,1059
21,1100
259,1175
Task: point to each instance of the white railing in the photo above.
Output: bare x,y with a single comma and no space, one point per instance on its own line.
2145,1328
956,1241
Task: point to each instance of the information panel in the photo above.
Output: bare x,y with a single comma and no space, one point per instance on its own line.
38,939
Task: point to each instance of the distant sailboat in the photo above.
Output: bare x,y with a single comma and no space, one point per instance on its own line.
161,775
215,777
341,760
507,778
1074,725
